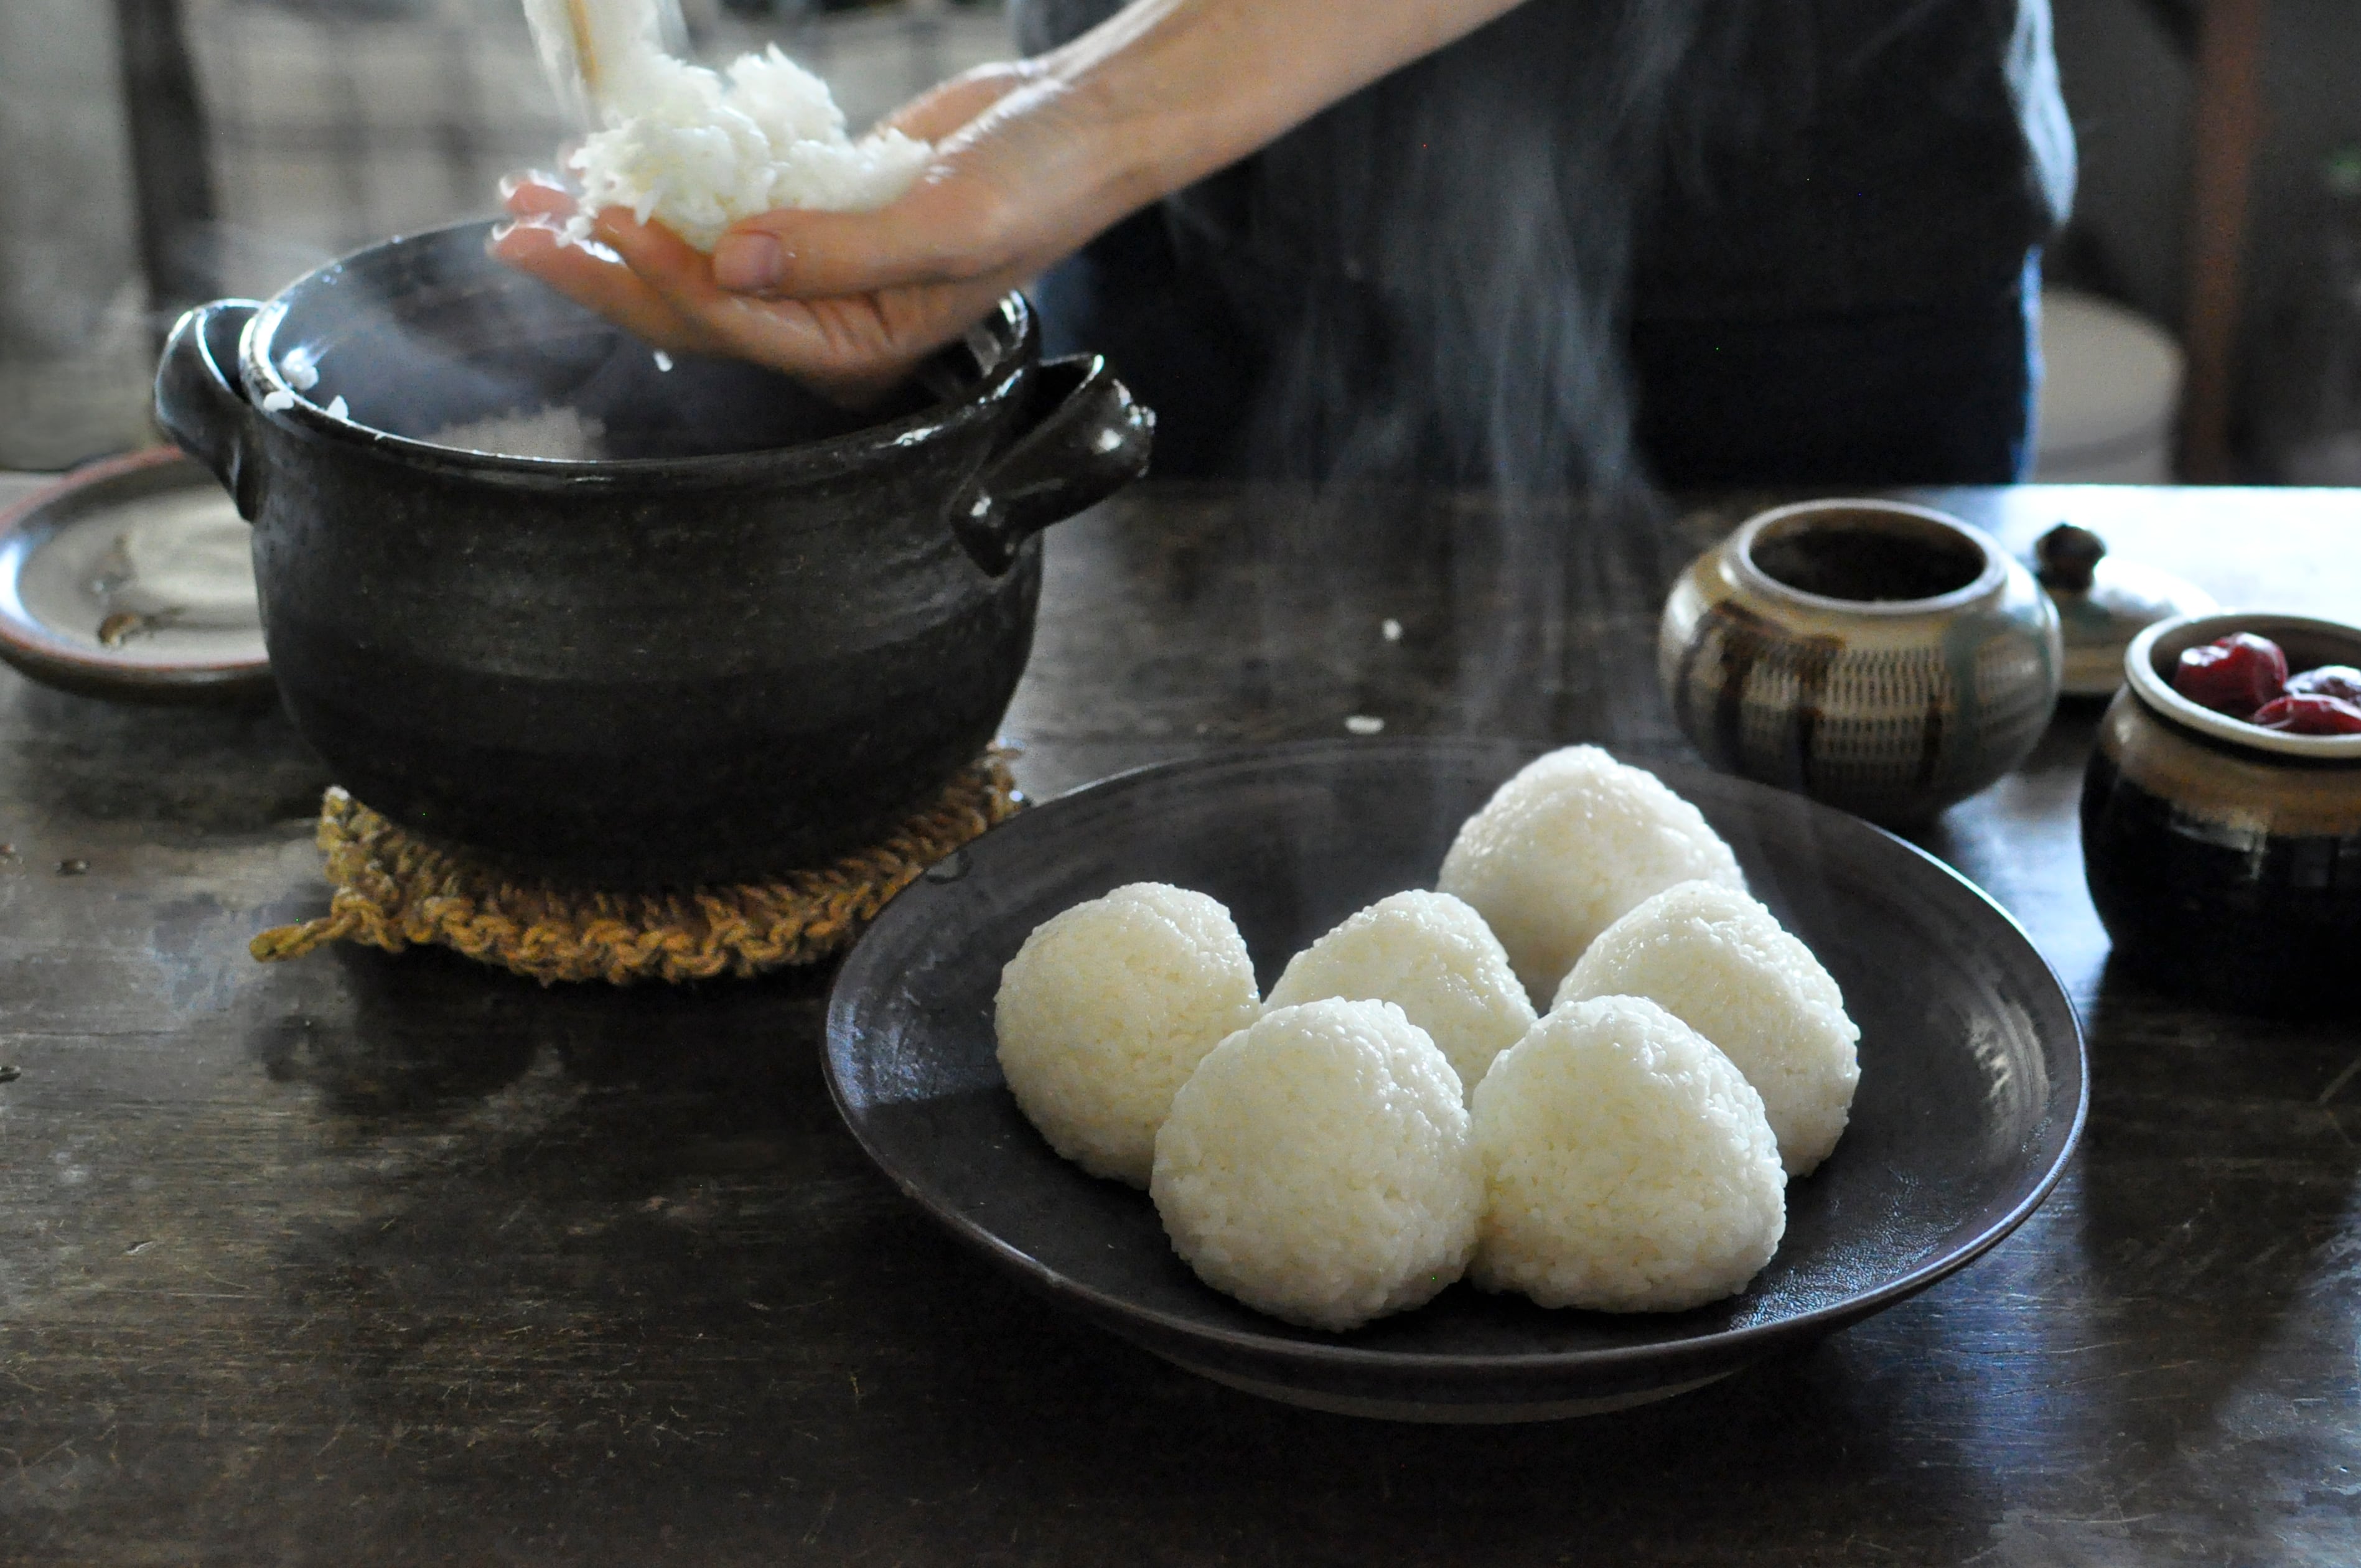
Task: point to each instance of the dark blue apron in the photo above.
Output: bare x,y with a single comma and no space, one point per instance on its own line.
1775,241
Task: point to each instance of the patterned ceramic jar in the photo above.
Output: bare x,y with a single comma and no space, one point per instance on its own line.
1879,656
2225,860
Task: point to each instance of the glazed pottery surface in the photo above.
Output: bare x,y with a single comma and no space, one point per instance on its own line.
2225,860
2104,601
65,561
1882,657
1971,1073
750,633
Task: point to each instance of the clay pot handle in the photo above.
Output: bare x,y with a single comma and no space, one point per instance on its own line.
1080,438
201,399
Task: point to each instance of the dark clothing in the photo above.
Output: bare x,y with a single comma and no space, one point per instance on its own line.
1933,394
1753,201
1858,156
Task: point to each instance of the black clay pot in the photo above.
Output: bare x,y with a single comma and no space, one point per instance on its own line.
2225,860
744,638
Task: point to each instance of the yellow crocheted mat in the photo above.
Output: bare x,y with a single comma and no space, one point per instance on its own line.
395,891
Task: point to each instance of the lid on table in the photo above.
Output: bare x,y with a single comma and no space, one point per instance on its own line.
2105,601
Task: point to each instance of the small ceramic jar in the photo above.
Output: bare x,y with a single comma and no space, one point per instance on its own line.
1882,657
2224,858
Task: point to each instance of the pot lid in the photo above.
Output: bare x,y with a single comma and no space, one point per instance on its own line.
133,578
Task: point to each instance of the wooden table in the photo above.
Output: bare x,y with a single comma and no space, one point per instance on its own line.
364,1259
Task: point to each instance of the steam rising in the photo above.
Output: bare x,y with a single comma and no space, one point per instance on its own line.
1479,206
1468,224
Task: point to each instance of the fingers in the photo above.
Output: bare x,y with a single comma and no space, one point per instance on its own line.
850,347
533,194
924,238
782,334
539,250
650,249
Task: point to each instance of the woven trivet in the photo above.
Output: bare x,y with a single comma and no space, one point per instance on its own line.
395,891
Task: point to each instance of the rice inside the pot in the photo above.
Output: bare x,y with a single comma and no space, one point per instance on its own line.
565,434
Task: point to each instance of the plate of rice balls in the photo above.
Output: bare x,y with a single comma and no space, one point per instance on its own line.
1432,1079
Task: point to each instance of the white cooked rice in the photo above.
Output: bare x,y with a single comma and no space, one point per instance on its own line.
1569,844
1723,964
1433,957
557,431
1318,1166
698,151
1106,1010
1628,1164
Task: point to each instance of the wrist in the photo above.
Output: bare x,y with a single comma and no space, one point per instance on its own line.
1155,100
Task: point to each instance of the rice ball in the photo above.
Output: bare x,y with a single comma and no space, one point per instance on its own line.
1628,1164
1569,844
1723,965
1106,1010
1318,1166
1433,957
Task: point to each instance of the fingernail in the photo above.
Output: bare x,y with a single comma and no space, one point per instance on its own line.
746,262
510,184
499,232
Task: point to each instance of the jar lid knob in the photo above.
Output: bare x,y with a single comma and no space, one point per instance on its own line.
2068,557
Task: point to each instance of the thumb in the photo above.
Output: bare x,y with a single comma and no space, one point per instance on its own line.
928,236
811,255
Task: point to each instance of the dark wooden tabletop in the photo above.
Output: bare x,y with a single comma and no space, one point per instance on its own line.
364,1259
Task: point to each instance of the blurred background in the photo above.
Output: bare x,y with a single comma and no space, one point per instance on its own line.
2204,318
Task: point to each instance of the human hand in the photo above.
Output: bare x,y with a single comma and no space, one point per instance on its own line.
1031,159
845,302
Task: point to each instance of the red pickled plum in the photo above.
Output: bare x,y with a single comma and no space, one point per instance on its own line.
2342,682
2310,715
2234,674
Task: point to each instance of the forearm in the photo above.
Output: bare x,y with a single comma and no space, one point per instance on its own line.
1169,91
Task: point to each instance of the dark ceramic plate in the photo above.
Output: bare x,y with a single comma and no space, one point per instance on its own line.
1972,1090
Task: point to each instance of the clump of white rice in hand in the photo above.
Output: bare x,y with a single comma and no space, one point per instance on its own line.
1724,965
1569,844
1108,1008
1628,1164
1430,955
697,151
1318,1166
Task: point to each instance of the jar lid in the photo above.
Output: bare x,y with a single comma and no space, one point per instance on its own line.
2310,641
2105,601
